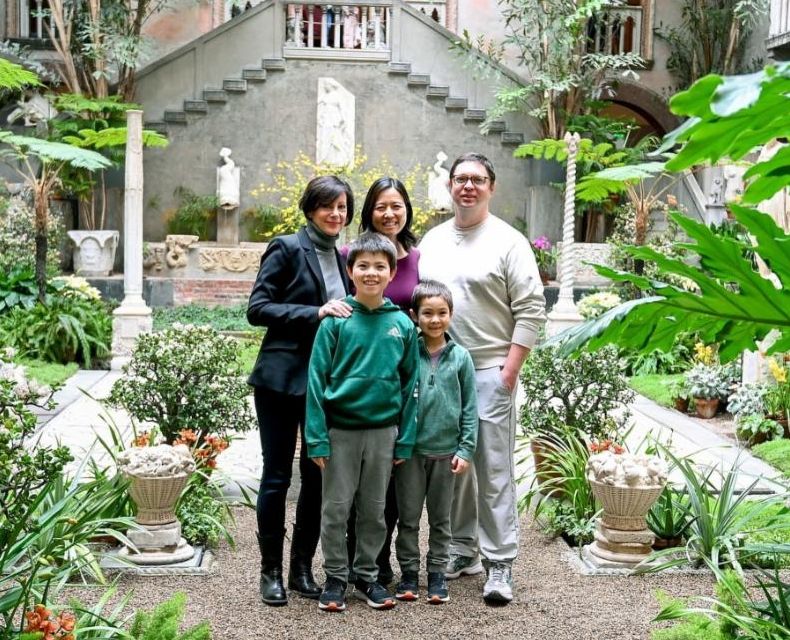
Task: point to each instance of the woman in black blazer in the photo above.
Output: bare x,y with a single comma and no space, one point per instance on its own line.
301,280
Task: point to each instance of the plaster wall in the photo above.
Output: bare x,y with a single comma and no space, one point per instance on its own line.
276,120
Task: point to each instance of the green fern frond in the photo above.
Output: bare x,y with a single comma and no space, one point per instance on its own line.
14,77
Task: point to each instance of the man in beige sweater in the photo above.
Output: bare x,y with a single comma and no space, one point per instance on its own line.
499,308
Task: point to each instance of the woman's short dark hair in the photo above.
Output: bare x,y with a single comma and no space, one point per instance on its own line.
322,192
406,237
473,156
430,289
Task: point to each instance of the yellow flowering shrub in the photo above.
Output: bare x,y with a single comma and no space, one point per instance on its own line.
706,354
287,182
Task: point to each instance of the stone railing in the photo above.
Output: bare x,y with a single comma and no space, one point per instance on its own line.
362,28
779,28
617,29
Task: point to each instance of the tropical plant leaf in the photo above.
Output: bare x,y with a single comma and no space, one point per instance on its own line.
602,184
14,77
735,306
79,103
112,137
56,152
728,118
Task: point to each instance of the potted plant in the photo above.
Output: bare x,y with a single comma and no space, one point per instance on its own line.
706,384
680,395
777,398
545,256
669,518
573,398
186,377
98,124
754,429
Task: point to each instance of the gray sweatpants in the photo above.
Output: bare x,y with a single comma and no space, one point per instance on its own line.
358,470
484,513
419,481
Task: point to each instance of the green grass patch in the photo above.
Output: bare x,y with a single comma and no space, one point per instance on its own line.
776,453
656,386
221,318
49,373
249,353
777,514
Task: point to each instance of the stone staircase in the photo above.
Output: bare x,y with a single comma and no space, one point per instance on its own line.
237,86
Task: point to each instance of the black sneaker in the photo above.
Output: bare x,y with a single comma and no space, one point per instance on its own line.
333,597
374,594
437,587
408,590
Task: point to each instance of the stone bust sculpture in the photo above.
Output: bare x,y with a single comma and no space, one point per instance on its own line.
228,181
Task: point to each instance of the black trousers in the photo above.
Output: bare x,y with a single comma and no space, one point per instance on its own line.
280,418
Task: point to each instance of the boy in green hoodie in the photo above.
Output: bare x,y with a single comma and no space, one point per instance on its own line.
446,441
361,418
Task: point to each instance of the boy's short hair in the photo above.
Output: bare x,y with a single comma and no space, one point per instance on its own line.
430,289
372,242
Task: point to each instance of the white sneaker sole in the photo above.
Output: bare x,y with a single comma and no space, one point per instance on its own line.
471,570
498,596
387,604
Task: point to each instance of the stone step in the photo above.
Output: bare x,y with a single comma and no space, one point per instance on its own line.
215,95
418,79
195,106
399,68
236,85
436,91
512,137
173,116
474,115
253,74
452,103
160,126
273,64
497,126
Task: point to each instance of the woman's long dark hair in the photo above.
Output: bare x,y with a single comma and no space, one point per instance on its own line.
405,236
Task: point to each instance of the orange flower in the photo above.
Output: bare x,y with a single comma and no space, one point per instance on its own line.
187,437
142,439
67,621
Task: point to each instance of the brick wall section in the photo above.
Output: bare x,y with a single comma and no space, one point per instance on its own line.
218,292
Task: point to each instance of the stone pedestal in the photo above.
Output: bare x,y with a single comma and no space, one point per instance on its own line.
228,226
616,549
157,544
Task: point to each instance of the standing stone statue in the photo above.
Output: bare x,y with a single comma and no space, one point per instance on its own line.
438,185
335,119
228,181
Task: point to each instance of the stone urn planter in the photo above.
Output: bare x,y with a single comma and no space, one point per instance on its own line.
681,404
706,407
94,252
157,476
626,486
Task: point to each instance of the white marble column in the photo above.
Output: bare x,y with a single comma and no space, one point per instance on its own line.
564,314
133,317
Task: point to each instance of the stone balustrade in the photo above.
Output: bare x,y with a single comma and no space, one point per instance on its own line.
617,29
362,26
779,27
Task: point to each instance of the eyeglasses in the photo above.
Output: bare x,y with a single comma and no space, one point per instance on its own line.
478,181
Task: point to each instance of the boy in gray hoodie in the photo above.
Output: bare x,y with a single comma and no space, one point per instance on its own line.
446,440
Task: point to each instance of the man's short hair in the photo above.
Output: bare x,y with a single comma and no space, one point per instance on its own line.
473,156
430,289
372,242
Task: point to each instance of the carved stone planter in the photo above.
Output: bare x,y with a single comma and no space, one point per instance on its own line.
94,252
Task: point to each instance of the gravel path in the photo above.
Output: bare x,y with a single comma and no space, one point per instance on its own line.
552,601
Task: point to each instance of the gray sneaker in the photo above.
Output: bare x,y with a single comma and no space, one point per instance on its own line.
499,586
462,565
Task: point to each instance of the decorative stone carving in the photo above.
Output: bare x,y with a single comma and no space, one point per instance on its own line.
228,181
154,256
334,124
627,486
438,181
156,462
233,260
94,252
32,109
177,248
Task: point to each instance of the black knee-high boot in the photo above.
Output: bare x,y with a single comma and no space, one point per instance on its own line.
300,575
272,588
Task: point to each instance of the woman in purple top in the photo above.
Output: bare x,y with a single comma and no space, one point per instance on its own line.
388,211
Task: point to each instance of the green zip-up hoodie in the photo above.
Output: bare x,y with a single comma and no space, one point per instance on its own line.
447,411
363,375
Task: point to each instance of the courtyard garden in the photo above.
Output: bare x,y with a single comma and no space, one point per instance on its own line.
672,325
